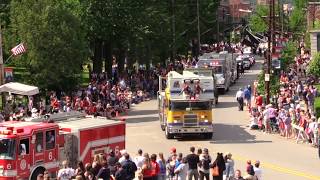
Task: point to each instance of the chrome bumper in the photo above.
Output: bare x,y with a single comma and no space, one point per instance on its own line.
189,130
220,86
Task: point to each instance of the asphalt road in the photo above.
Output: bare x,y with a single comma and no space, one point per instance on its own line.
280,158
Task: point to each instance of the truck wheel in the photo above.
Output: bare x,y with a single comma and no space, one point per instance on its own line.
163,127
222,91
39,170
168,135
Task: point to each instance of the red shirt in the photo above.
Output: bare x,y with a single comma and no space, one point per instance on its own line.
259,101
155,169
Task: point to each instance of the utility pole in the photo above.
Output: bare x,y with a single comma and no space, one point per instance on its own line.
198,19
1,60
270,39
173,29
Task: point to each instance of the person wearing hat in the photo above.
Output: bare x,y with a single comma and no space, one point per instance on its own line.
240,97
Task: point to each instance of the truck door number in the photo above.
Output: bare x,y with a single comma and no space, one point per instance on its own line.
50,156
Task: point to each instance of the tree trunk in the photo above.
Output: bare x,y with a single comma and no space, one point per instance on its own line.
108,57
97,61
121,57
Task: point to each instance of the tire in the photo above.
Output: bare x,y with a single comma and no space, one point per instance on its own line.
222,91
168,135
163,128
39,170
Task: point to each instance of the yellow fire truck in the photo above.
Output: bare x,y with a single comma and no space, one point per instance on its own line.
185,104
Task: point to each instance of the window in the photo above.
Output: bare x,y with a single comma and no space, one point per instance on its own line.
50,139
7,148
39,142
24,146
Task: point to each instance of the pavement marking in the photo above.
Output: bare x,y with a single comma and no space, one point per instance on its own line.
281,169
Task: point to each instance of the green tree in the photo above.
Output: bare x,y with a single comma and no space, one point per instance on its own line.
55,43
274,84
256,22
297,20
288,54
314,66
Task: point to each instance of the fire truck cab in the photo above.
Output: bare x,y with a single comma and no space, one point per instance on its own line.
29,148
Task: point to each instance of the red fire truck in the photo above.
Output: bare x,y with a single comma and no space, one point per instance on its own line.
29,148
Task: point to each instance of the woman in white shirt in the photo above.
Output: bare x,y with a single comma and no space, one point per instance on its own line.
182,170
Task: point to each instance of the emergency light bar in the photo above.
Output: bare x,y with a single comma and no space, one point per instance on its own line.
214,63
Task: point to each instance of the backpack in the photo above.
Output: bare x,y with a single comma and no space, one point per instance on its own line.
206,163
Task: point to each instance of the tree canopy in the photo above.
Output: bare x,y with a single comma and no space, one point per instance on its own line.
54,40
62,36
257,22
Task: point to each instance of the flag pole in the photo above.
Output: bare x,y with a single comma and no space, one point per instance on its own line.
8,59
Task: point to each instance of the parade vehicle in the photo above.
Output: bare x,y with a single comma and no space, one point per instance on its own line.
29,148
209,73
185,104
224,67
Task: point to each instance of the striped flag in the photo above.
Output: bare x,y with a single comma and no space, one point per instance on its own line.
19,49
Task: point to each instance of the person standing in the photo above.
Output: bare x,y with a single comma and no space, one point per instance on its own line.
229,172
257,170
155,169
204,165
193,160
182,169
139,159
218,165
66,172
129,167
247,96
240,97
162,164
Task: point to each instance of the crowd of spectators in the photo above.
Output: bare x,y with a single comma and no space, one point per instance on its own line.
292,111
197,165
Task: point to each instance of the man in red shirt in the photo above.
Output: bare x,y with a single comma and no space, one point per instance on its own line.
259,100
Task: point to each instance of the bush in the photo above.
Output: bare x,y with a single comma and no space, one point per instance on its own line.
314,66
317,103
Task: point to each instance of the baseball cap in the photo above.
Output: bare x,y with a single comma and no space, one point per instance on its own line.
173,150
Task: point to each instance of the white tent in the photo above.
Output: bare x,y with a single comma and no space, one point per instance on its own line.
20,89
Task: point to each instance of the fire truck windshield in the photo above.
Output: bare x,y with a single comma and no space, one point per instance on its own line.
182,106
7,148
217,69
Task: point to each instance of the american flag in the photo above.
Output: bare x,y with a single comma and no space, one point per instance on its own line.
19,49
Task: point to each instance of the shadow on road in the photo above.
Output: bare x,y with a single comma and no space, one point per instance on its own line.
232,134
142,120
226,104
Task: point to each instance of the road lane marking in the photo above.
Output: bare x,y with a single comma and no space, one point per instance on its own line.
281,169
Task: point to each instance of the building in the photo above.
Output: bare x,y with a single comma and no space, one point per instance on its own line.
262,2
313,14
237,5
